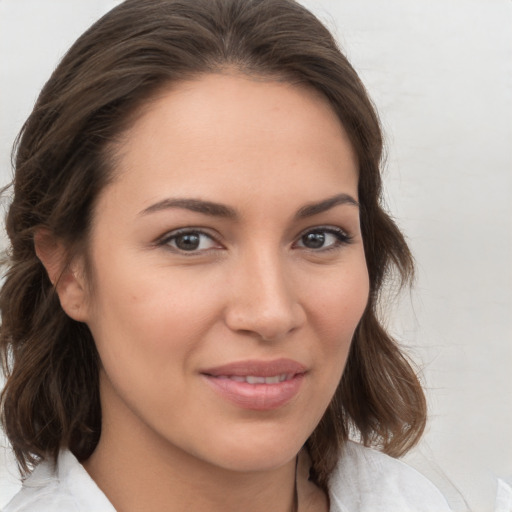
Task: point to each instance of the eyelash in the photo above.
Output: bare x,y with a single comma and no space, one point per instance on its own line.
342,238
173,235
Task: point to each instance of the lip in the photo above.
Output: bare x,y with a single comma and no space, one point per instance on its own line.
259,396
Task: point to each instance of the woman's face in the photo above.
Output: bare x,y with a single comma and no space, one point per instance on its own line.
228,271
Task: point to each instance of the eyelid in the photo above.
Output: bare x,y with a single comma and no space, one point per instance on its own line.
164,240
343,237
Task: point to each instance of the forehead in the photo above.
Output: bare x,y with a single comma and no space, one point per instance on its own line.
225,134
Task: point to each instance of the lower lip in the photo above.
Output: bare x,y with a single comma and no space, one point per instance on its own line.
257,397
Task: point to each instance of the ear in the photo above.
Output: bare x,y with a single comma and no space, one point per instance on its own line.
67,277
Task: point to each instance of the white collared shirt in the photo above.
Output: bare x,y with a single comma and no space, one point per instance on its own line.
365,480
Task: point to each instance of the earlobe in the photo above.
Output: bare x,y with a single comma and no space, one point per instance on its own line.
66,276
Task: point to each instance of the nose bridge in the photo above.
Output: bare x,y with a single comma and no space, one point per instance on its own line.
263,297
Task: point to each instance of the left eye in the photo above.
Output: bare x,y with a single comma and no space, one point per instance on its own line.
190,241
323,239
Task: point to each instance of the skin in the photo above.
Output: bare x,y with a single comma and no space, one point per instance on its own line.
253,289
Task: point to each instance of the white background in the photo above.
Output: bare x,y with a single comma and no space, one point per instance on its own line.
440,73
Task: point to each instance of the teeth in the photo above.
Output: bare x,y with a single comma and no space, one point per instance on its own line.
253,379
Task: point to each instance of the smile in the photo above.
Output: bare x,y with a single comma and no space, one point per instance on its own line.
257,385
253,379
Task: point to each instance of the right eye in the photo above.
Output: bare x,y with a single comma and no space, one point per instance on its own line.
189,240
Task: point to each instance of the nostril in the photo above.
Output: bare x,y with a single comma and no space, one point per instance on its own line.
265,324
262,296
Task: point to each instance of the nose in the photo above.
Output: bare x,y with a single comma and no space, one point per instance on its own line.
263,299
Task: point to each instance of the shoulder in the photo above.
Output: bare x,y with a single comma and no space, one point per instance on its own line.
366,480
66,487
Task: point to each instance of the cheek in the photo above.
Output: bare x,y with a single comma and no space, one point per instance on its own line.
335,311
338,311
341,304
146,318
147,331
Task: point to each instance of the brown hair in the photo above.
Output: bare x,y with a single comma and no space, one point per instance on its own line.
62,162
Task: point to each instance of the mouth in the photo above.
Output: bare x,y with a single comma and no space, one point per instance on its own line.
257,385
255,379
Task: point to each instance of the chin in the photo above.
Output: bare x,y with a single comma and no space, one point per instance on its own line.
264,451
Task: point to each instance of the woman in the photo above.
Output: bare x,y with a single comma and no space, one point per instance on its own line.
189,312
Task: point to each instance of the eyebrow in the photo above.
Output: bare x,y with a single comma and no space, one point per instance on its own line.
195,205
315,208
221,210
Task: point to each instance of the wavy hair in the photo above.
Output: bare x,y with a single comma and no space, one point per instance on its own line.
63,159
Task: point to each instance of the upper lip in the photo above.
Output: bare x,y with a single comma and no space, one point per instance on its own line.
257,368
